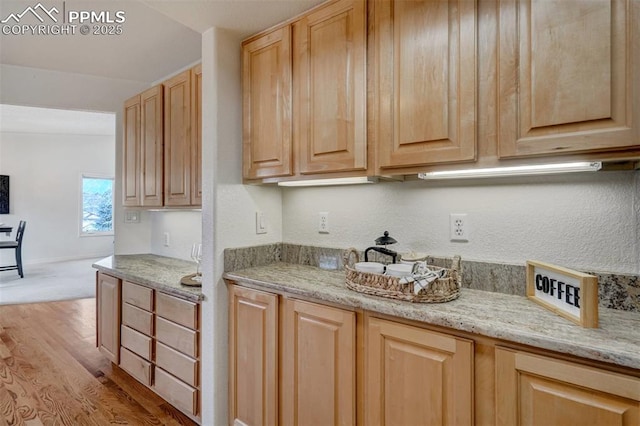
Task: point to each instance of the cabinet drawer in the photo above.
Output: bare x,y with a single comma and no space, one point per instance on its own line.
176,392
136,342
177,336
137,319
177,310
137,295
139,368
183,367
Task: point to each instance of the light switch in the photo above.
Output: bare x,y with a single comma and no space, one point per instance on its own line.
132,216
261,223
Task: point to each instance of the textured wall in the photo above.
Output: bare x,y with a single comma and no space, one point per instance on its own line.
580,221
184,228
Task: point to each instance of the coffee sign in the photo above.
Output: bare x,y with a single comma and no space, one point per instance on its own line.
570,294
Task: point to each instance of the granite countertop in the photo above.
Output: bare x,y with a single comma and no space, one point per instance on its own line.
158,272
501,316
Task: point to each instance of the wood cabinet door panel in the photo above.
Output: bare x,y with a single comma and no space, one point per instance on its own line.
253,357
568,76
177,144
319,365
131,153
534,390
330,88
415,376
196,135
266,70
108,310
425,82
152,146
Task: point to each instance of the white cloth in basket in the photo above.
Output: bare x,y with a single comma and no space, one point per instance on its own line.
422,276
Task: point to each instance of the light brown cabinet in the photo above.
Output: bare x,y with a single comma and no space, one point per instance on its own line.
569,76
142,149
108,316
153,336
538,390
266,105
318,365
424,82
416,376
330,88
162,147
253,357
314,381
448,85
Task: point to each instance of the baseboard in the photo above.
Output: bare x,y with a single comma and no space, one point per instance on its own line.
66,258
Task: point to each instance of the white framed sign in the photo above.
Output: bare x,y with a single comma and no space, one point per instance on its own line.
570,294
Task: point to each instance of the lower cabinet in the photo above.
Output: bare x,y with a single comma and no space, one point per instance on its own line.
415,376
153,336
314,381
318,365
539,390
108,316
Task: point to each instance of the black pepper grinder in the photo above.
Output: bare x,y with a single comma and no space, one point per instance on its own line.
382,241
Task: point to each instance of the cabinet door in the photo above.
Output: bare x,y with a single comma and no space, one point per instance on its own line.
425,82
416,377
318,365
108,316
151,147
536,390
330,89
266,104
253,357
568,76
177,144
131,153
196,135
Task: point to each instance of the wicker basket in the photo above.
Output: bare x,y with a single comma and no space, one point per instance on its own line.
443,289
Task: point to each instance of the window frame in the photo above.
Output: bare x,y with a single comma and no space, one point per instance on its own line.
81,231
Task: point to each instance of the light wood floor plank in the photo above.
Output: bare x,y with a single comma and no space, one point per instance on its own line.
52,374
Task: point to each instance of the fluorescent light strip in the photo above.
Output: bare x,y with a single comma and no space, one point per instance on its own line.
328,182
540,169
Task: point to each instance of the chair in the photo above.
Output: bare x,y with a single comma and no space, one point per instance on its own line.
17,246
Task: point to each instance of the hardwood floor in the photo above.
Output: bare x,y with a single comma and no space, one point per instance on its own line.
52,374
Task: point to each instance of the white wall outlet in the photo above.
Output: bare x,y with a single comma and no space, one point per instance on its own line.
458,227
167,239
323,223
261,223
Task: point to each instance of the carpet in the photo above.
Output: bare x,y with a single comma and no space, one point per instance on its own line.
47,282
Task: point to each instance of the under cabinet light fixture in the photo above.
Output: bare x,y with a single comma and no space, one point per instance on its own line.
530,170
328,182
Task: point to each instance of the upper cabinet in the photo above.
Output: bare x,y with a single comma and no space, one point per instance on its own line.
142,149
396,87
424,82
196,135
568,75
162,149
330,88
177,148
266,102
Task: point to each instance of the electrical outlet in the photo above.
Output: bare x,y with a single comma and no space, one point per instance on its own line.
261,223
167,239
458,227
323,224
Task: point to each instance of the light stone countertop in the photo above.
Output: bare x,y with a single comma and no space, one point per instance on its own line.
158,272
501,316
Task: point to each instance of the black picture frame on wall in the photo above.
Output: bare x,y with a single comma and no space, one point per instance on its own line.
4,194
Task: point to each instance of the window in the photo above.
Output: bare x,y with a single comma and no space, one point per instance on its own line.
97,206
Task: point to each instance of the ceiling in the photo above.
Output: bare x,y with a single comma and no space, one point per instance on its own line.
159,36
